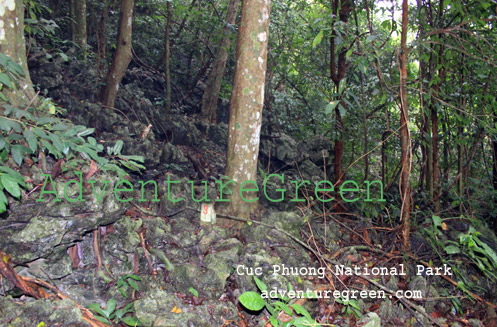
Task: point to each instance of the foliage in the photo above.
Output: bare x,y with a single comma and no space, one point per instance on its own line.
468,245
9,72
193,291
124,282
29,132
111,313
283,312
350,307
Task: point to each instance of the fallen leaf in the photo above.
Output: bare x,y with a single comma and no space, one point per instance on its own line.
91,170
176,310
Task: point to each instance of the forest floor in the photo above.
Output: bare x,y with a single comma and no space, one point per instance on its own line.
156,263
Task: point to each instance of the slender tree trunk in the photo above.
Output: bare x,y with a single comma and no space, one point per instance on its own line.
404,133
167,59
80,24
12,44
425,172
122,56
247,100
211,93
72,15
434,121
338,67
101,37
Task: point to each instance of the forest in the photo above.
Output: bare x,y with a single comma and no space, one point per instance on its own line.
248,163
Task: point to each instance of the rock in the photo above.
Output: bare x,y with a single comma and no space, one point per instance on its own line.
219,134
172,154
156,306
288,221
284,150
51,313
36,230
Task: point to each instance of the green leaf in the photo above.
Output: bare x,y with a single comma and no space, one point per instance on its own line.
193,291
18,152
3,198
50,148
331,106
96,307
102,319
262,287
452,249
63,56
3,207
59,127
118,147
133,284
46,120
31,139
86,132
110,306
162,256
318,38
11,185
283,306
131,321
133,277
437,221
273,321
301,311
134,158
14,174
7,125
5,79
252,301
40,133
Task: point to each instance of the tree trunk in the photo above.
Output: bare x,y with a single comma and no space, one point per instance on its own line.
425,171
404,133
211,93
167,59
80,24
338,67
13,45
247,100
122,56
434,120
101,36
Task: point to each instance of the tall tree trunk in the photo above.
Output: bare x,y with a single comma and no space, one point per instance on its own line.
80,24
167,59
211,93
425,171
13,45
122,56
247,100
338,67
101,36
434,120
404,133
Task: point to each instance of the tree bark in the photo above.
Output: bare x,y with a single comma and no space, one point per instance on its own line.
122,56
247,100
338,67
12,44
404,133
211,93
101,36
80,24
167,59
